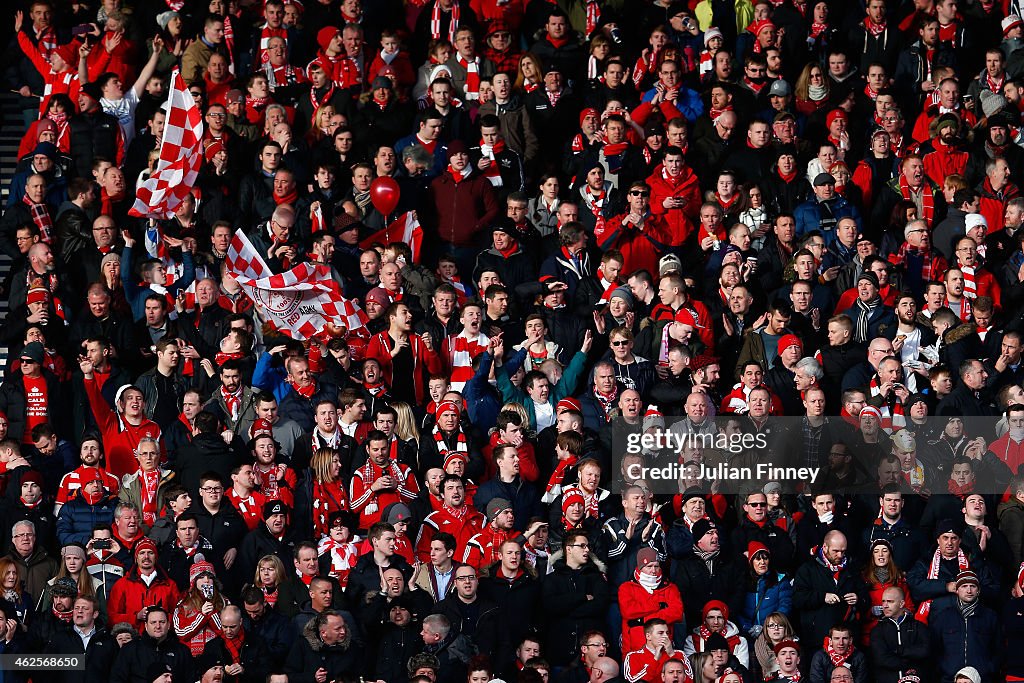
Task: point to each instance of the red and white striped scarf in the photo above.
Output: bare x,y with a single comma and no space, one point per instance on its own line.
41,218
149,482
266,33
233,402
593,16
435,21
970,280
47,42
927,199
343,558
995,86
461,352
57,84
461,445
229,41
493,172
892,418
873,28
472,75
933,573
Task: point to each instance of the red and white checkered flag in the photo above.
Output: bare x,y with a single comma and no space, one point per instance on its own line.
181,155
301,302
406,228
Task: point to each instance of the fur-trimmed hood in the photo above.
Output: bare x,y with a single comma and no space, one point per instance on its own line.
557,559
309,632
958,333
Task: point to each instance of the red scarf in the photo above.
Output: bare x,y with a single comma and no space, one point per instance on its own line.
306,391
149,484
459,176
221,358
837,659
233,402
234,646
558,476
961,491
704,633
817,29
493,172
933,573
289,198
873,28
457,513
593,16
927,199
62,616
607,401
41,218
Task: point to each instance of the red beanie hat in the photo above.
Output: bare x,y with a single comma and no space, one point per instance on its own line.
718,605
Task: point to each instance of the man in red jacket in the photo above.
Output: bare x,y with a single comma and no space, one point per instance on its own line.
403,353
466,206
122,430
675,194
455,517
144,586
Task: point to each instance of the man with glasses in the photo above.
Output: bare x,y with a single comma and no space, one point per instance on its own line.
641,236
35,567
756,527
220,523
860,375
672,98
577,597
31,395
593,646
476,617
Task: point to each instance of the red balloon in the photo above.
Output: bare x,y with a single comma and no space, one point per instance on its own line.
384,194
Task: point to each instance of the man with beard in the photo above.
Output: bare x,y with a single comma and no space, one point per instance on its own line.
455,517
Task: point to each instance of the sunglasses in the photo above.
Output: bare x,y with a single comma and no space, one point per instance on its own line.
758,505
621,342
638,193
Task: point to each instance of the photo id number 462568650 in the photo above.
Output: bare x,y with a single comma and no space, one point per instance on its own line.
42,663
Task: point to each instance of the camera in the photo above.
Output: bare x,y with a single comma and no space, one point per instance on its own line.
102,544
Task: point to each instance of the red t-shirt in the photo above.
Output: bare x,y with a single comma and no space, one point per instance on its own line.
35,405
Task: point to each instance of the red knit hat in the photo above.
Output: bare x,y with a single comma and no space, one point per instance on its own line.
715,604
200,567
37,294
571,497
790,340
446,406
454,455
568,403
260,427
325,35
211,149
145,544
755,547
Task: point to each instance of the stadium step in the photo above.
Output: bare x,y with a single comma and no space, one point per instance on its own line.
12,128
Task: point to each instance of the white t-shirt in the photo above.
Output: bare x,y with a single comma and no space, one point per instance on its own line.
124,110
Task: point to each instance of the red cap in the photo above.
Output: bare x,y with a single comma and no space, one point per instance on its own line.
589,111
568,403
261,427
145,544
684,317
211,149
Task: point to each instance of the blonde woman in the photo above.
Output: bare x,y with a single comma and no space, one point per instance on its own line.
328,493
270,574
776,628
406,428
811,90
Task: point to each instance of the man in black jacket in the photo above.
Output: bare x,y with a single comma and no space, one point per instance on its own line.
244,655
206,453
325,643
705,571
477,618
827,590
899,643
271,627
85,638
156,646
576,595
